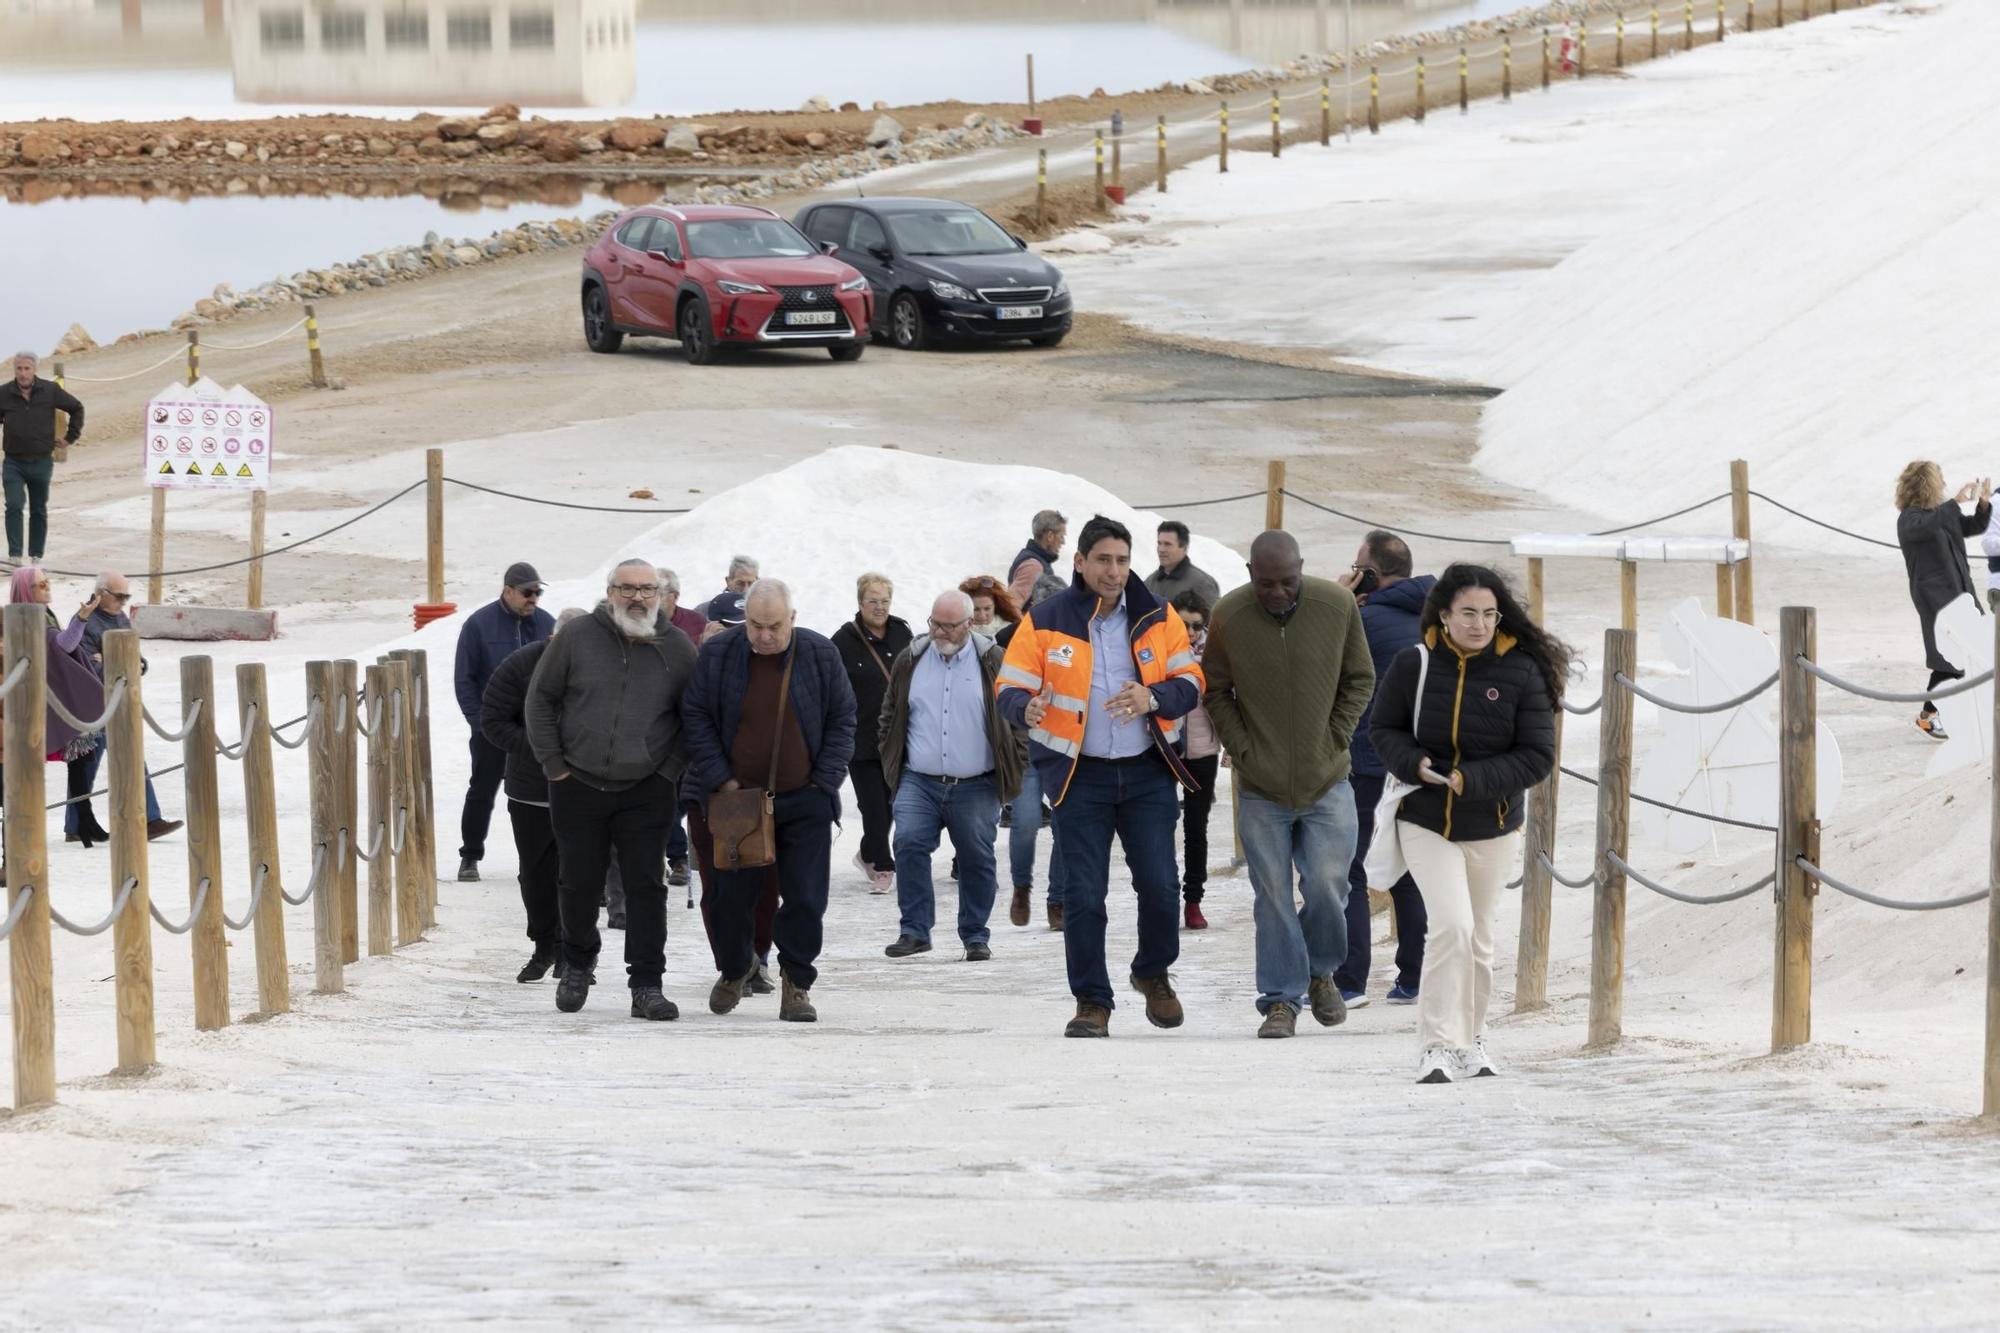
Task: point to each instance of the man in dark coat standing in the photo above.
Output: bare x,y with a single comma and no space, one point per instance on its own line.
28,408
772,688
867,645
489,637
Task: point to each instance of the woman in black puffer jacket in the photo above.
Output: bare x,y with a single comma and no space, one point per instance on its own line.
1485,733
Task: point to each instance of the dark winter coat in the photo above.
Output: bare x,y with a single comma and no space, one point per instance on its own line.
28,425
489,637
1933,542
503,720
1185,576
1488,716
821,699
1010,743
1392,618
605,708
867,659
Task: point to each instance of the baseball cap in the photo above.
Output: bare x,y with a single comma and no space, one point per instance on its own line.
726,607
521,574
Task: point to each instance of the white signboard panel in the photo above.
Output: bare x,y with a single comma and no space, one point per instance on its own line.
202,436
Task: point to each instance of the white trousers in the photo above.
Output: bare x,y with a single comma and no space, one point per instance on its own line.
1461,883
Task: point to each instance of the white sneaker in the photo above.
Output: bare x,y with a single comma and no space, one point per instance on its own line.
1477,1062
884,881
1437,1065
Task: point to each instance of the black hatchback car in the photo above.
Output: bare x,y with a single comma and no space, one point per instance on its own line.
943,271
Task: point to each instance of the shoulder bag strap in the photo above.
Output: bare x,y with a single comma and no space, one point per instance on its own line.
784,702
1423,675
869,644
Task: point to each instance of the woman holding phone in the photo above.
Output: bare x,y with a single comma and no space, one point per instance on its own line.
1481,734
1932,532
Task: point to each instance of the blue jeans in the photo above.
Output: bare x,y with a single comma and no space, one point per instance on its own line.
1139,801
95,760
970,812
1296,944
1021,838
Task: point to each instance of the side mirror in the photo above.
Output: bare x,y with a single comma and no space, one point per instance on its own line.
664,257
828,247
881,252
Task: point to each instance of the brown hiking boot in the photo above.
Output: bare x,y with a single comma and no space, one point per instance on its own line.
1055,916
1163,1007
794,1005
1092,1020
1327,1006
1280,1020
727,992
1024,900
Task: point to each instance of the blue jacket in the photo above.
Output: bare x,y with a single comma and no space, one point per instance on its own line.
712,706
490,636
1392,618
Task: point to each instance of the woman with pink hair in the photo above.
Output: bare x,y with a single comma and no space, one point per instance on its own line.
71,682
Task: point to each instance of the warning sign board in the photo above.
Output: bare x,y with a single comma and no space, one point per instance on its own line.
202,436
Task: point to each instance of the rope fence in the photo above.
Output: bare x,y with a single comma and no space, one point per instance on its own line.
194,912
1820,876
1967,685
1699,900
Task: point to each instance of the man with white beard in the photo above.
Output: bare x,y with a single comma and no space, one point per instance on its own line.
603,719
952,761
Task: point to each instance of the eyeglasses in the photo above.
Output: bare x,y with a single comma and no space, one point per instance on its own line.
1196,624
1363,569
119,596
636,589
949,625
529,593
984,583
1472,619
877,603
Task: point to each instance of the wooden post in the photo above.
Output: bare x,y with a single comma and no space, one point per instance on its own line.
31,977
1628,594
312,348
1506,69
346,815
426,804
61,420
1725,608
1274,494
381,870
1546,67
1103,202
1583,49
1750,16
1990,1103
328,977
1464,82
1531,966
1781,12
1374,100
132,934
1222,154
1721,19
402,800
156,549
255,591
1739,501
1276,142
1654,16
1325,112
260,802
1041,187
1031,85
194,355
204,843
1117,152
1162,165
434,526
1614,809
1421,98
1537,602
1798,827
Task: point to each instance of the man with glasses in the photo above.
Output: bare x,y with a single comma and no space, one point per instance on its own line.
951,759
1288,677
486,639
112,611
603,718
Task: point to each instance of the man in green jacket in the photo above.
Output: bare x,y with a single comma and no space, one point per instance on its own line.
1288,678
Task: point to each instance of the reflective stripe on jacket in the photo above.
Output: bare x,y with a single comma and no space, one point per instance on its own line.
1051,648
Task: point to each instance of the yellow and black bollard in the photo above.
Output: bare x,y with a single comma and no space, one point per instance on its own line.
1721,19
1222,158
1374,100
1325,112
1464,82
1506,69
1163,154
1582,50
1421,99
1275,142
1103,201
1618,57
313,356
1750,16
1656,32
1545,59
194,355
1041,187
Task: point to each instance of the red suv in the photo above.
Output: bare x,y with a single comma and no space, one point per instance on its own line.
716,276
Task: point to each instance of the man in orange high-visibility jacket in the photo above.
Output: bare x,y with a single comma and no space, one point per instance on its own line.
1100,676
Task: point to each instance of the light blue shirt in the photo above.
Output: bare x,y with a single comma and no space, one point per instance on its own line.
1111,670
947,730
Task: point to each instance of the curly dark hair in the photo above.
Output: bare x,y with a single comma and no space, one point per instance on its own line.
1549,652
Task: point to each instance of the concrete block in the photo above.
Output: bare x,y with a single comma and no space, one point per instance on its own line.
204,623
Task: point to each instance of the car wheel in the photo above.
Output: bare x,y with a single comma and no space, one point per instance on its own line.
1049,339
851,352
598,333
906,324
697,333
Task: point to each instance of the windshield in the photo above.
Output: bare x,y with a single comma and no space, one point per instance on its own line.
955,231
747,238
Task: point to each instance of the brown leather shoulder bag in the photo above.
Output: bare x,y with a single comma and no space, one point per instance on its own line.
743,822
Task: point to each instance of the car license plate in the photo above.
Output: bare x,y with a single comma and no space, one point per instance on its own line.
810,317
1017,312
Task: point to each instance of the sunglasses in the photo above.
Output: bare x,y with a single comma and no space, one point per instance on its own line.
119,596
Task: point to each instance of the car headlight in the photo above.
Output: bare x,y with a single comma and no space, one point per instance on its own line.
858,285
950,291
1062,287
740,288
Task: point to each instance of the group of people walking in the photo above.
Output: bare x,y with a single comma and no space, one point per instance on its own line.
1379,706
